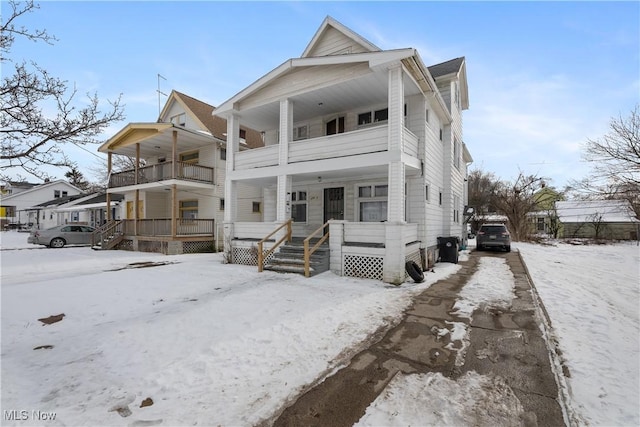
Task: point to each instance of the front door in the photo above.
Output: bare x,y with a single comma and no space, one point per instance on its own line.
333,203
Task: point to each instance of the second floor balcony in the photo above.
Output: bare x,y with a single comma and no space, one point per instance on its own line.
162,172
361,141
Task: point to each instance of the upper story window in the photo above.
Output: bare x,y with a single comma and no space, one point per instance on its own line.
190,157
426,115
56,194
179,119
243,134
300,132
456,153
223,154
456,93
335,126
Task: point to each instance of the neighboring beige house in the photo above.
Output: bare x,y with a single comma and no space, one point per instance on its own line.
175,202
17,201
603,219
362,142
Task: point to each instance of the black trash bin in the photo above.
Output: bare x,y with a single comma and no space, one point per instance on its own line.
448,247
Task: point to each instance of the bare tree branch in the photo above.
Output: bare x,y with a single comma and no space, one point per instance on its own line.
38,113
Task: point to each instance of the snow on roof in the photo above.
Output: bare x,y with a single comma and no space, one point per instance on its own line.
586,211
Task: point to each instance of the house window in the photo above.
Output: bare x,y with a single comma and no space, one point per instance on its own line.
372,202
256,207
299,206
456,90
64,194
56,194
335,126
456,153
300,132
440,197
221,204
541,224
376,116
191,157
426,192
381,115
426,115
364,118
179,119
188,209
440,134
223,154
243,134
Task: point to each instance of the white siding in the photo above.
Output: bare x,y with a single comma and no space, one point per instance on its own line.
334,42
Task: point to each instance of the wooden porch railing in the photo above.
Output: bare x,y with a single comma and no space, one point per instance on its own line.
107,234
162,227
287,237
308,252
161,172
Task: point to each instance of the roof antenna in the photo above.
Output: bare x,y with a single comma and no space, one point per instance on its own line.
160,93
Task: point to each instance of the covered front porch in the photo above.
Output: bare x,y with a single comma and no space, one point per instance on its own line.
370,227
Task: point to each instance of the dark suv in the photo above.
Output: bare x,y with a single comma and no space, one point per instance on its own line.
493,236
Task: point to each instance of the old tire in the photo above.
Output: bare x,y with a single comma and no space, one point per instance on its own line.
414,270
57,243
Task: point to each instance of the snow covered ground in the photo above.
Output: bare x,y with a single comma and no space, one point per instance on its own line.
592,295
222,344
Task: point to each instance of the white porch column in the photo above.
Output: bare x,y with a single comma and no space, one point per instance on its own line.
394,259
396,197
230,187
286,128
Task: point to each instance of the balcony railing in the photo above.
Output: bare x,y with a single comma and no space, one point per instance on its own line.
161,172
361,141
162,227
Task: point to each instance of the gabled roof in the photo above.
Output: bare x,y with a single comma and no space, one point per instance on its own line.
453,69
40,187
58,201
351,41
596,211
451,66
201,112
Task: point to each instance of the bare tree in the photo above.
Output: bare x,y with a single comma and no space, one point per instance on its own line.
596,220
29,138
616,155
516,200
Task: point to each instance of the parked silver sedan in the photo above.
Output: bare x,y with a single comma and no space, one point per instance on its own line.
57,237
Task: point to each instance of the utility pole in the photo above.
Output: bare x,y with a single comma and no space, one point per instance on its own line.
160,93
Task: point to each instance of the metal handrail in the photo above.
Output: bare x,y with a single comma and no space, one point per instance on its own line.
308,252
287,237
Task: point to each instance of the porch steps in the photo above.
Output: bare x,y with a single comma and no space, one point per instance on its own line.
290,259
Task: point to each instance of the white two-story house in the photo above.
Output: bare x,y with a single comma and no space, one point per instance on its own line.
173,194
363,143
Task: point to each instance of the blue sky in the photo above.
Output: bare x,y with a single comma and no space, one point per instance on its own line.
543,76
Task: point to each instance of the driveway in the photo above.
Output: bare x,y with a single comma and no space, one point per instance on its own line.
505,343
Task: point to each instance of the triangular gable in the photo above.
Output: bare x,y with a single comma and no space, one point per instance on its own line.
201,113
333,38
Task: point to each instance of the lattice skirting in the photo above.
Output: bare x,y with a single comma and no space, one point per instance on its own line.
163,247
197,247
248,256
365,267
